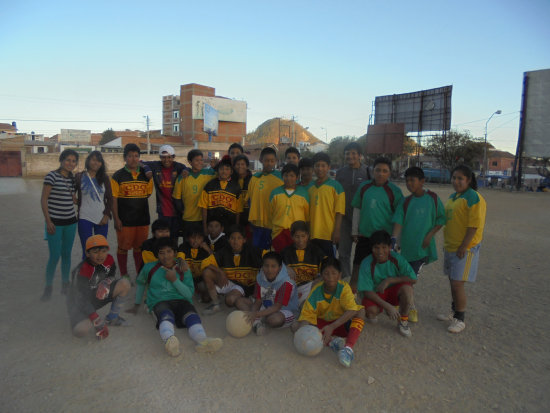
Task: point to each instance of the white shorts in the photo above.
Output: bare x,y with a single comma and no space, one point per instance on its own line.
230,286
303,292
289,316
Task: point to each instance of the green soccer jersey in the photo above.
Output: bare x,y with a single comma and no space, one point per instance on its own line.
377,205
372,273
422,214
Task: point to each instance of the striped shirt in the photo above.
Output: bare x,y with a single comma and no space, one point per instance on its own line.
60,202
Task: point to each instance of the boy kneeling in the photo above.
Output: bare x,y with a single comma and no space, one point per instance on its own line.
331,307
169,297
386,280
93,286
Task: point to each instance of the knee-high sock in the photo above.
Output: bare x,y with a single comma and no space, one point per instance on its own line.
194,327
138,260
354,331
166,330
122,257
116,305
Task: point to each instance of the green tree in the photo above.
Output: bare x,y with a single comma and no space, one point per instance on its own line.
336,149
107,136
456,148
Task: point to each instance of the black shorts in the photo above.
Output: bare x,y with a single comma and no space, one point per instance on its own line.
362,250
325,245
75,308
180,308
418,264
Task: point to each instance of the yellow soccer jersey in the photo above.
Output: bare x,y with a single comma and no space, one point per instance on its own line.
325,201
287,209
259,190
463,211
189,190
328,307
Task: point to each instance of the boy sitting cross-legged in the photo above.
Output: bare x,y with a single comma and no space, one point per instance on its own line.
332,308
275,299
169,297
386,279
93,286
232,270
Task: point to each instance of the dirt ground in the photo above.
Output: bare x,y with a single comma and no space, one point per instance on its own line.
501,362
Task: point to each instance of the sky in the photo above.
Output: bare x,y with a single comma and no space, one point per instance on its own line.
99,65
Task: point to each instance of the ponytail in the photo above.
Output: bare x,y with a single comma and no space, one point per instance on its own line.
468,173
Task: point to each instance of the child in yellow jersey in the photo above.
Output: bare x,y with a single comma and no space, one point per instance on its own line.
303,259
306,173
221,197
242,175
232,270
332,308
465,212
259,190
327,206
194,251
188,189
160,229
289,203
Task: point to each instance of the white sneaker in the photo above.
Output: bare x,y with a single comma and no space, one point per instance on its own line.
172,346
456,326
446,317
404,328
209,345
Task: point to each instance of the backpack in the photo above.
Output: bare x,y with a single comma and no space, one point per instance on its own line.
409,198
389,192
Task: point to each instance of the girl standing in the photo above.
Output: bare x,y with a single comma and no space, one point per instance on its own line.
465,212
58,205
95,199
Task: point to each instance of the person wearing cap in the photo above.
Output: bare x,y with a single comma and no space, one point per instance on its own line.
164,174
93,285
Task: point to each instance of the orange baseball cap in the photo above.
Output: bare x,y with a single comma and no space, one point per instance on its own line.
96,241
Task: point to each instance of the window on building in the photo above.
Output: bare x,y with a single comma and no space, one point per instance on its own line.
40,149
495,163
176,127
176,114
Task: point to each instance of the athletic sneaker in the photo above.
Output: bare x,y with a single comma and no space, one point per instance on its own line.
456,326
47,294
117,322
172,346
212,309
64,288
446,317
413,315
345,356
404,328
209,345
337,344
259,328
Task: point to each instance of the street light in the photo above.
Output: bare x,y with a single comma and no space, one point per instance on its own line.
485,166
325,129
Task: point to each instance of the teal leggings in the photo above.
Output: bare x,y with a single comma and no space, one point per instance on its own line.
60,245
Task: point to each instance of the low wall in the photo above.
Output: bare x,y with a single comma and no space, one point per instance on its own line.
39,164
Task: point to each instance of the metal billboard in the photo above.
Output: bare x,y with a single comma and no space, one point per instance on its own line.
210,120
229,110
536,113
425,110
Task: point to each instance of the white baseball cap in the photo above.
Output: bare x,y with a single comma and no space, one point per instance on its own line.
168,149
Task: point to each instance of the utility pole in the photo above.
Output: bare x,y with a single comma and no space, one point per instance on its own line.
293,132
148,141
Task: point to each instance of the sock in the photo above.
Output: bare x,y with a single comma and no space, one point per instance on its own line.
354,331
116,305
166,330
404,318
138,260
194,327
459,315
122,257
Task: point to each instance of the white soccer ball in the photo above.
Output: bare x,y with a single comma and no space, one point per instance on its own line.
236,324
308,340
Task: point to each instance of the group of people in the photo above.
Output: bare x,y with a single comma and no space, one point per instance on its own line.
276,244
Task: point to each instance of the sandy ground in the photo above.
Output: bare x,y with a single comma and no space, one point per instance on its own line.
501,362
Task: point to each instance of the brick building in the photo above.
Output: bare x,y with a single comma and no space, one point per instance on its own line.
183,116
